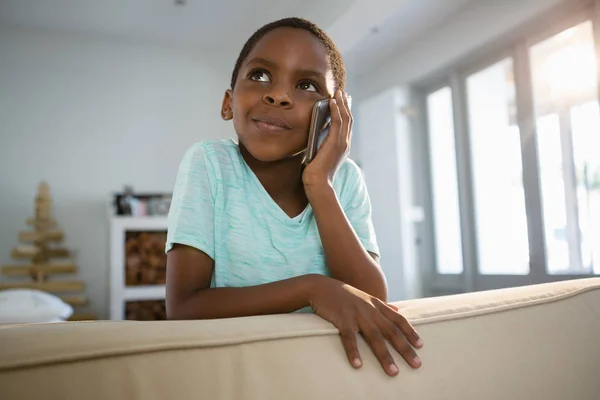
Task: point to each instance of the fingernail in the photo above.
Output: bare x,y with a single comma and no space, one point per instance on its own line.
356,362
333,101
417,361
393,369
418,340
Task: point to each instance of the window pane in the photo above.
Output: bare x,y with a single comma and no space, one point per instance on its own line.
501,219
446,215
585,122
568,122
553,192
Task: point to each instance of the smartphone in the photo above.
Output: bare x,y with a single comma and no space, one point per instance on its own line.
318,128
320,122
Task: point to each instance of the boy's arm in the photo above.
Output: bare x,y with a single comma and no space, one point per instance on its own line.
346,256
347,259
189,272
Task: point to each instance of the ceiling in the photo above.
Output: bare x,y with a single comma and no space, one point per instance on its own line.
199,23
401,27
223,25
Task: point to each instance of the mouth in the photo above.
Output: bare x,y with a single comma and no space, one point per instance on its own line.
271,124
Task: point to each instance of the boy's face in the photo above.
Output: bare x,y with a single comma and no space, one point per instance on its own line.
286,72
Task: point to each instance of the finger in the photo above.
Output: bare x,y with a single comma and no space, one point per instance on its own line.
398,340
376,342
348,337
349,121
349,112
405,327
393,307
336,121
342,99
342,103
346,98
331,143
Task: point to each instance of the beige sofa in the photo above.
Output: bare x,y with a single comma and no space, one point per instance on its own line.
536,342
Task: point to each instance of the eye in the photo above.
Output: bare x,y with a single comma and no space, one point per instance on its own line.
259,75
308,86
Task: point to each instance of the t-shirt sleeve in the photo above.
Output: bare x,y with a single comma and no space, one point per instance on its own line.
191,215
356,203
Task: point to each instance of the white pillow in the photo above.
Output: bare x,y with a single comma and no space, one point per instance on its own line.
18,306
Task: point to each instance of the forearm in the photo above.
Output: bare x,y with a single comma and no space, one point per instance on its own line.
271,298
347,259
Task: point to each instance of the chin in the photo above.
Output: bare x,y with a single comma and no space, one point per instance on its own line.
272,151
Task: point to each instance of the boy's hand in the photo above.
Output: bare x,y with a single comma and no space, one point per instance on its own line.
335,146
353,311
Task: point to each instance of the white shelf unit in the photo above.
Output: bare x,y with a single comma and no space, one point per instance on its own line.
119,292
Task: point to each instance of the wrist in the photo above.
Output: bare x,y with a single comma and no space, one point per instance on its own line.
314,284
318,188
314,179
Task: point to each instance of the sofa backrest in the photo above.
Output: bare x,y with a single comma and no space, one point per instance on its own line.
534,342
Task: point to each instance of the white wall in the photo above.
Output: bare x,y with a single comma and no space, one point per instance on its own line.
89,116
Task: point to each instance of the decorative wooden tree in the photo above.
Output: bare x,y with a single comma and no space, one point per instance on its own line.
40,249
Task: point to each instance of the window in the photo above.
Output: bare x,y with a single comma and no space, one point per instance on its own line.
499,200
565,93
514,154
444,182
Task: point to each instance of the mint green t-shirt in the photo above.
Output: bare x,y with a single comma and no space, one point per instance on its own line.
220,207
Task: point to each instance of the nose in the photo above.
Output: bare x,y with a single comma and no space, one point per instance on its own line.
278,97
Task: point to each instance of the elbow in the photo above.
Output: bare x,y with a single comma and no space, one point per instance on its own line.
172,306
173,311
378,287
380,292
181,304
186,306
176,309
180,313
371,281
373,286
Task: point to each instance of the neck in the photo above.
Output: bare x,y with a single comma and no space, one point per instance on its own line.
280,178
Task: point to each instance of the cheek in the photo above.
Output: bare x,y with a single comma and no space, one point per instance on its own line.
240,105
243,98
240,112
305,113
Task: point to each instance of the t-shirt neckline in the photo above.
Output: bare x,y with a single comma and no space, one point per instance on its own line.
274,208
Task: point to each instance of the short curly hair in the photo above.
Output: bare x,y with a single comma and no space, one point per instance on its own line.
335,58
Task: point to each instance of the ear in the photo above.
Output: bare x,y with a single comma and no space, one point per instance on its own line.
226,107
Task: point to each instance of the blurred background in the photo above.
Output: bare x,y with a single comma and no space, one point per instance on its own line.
477,129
